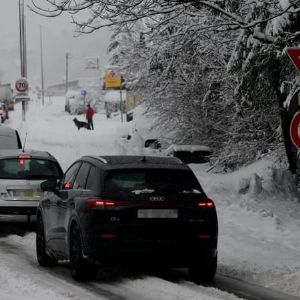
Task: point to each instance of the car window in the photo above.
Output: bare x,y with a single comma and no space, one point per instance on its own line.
80,180
69,177
93,179
21,168
155,180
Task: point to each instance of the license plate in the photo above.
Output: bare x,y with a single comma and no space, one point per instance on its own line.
157,213
26,193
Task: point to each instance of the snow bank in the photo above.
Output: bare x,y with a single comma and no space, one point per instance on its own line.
259,223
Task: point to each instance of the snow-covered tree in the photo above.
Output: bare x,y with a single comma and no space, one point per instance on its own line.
212,68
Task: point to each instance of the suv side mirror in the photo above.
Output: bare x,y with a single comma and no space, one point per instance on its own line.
49,185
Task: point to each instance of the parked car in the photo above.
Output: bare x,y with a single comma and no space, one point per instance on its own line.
3,112
20,176
117,210
6,96
11,104
9,138
75,103
190,153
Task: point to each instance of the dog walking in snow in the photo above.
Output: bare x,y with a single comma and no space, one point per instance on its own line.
80,124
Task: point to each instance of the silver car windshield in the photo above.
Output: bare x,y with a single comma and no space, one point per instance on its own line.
21,168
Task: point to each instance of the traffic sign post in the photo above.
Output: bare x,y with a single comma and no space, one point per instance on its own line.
22,85
293,121
83,93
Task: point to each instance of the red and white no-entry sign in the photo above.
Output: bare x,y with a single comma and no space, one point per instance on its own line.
294,130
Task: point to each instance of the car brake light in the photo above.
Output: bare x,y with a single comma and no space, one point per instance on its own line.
24,156
206,204
203,236
108,236
68,185
92,203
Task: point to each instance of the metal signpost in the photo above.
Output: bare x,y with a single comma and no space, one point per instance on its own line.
22,84
83,93
113,79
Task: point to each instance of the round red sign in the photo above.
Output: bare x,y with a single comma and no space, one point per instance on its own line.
294,132
21,85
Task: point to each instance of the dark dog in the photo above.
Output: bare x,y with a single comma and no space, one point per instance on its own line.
80,124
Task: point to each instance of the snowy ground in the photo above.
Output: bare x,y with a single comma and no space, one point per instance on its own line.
258,209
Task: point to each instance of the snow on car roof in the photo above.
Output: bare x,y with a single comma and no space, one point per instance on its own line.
112,161
7,131
9,153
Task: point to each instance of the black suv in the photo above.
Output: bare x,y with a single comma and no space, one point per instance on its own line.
112,210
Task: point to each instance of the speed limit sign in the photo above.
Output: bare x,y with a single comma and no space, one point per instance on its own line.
21,85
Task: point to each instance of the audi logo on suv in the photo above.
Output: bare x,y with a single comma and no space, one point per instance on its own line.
157,198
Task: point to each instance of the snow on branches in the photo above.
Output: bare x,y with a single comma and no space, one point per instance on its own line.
212,70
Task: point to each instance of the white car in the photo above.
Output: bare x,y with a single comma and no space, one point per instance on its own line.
21,174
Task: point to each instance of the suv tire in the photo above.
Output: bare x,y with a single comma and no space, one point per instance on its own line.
204,271
42,256
81,269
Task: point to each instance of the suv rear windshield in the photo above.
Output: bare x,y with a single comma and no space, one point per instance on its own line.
152,180
19,168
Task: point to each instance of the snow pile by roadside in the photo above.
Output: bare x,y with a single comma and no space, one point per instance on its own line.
259,222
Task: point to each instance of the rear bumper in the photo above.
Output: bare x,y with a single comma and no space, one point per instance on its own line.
159,252
14,207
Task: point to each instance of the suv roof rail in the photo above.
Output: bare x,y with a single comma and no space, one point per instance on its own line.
102,159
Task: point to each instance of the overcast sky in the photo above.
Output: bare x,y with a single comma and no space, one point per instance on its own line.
58,38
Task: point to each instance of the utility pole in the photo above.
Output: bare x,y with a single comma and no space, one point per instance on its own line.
121,104
23,51
42,66
67,79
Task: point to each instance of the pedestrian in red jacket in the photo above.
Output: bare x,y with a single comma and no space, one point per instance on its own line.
89,113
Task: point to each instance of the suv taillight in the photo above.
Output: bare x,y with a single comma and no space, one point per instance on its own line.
207,203
99,202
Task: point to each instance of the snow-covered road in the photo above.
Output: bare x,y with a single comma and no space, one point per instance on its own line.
259,222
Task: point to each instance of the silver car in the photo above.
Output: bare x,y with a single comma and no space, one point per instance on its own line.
20,176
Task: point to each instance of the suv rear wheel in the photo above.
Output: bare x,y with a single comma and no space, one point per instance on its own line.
204,271
43,258
81,269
